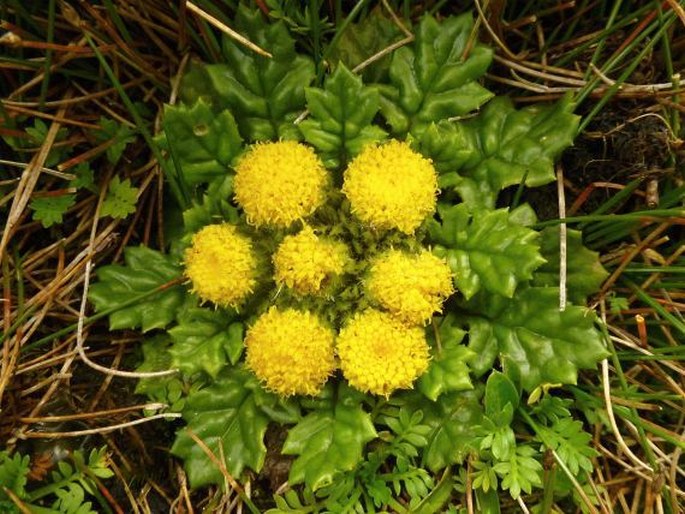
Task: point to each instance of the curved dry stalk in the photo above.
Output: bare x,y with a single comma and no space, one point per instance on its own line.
101,430
84,301
227,30
575,483
612,420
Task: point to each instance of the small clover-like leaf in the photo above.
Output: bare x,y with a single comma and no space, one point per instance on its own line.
120,200
341,115
584,272
120,136
51,209
202,143
487,251
37,135
206,340
83,178
530,333
448,370
433,79
265,94
329,441
227,417
145,272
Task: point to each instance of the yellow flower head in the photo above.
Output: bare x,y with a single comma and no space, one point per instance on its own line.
379,354
221,265
290,351
411,286
305,262
279,183
391,186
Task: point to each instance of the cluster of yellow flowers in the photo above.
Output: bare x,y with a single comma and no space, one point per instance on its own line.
280,186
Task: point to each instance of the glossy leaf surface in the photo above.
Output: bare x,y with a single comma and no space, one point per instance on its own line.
448,370
340,117
531,334
584,273
329,441
452,419
202,143
206,340
516,146
145,271
227,417
431,80
486,250
264,94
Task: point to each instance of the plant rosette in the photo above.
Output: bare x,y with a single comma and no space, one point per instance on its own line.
355,281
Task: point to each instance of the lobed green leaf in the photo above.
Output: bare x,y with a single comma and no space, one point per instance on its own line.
215,205
571,442
51,209
121,136
145,271
486,250
14,470
329,441
206,340
121,199
341,116
362,40
584,271
515,146
452,418
448,370
431,80
531,334
227,417
264,94
203,144
521,472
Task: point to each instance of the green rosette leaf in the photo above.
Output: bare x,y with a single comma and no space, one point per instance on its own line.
206,340
452,419
431,80
227,416
202,143
448,370
516,145
341,116
486,250
362,40
215,205
584,272
145,271
530,334
452,146
329,440
264,94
